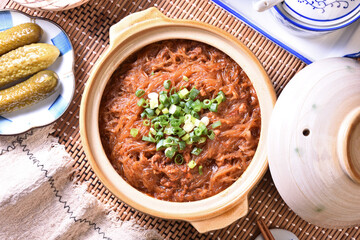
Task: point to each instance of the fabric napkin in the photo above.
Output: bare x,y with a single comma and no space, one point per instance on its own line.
40,200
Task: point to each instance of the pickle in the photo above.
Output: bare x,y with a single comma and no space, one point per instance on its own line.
25,61
28,92
19,36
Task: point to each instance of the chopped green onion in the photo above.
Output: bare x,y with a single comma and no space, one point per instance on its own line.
170,151
179,159
174,99
157,126
152,73
168,130
159,135
141,102
213,107
152,131
205,120
196,151
211,135
157,111
134,132
146,122
167,84
183,93
182,103
164,100
165,111
175,110
198,132
160,145
185,78
142,115
148,139
161,106
150,112
206,103
222,95
182,145
195,114
188,126
175,122
216,124
154,102
201,170
196,106
192,164
139,92
146,104
193,93
188,104
185,137
202,140
181,132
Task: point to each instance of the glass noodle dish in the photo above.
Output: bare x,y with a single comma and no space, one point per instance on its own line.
180,120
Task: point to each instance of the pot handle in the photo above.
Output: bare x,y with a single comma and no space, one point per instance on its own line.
262,5
224,219
118,30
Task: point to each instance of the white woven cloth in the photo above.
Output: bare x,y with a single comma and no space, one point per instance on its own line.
39,199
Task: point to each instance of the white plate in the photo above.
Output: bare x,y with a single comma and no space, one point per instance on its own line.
342,42
51,108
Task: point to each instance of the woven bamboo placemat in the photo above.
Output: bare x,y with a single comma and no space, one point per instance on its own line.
88,28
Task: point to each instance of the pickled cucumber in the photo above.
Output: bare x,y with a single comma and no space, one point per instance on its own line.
25,61
29,92
19,36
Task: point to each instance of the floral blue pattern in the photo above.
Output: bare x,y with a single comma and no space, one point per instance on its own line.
322,5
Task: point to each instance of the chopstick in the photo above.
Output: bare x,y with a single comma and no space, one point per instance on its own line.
264,230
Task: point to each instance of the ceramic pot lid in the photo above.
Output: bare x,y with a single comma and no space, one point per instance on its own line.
313,144
320,15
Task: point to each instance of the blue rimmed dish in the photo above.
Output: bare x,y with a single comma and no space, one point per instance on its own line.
318,16
50,109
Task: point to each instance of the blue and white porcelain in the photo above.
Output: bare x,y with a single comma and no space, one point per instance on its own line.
314,15
51,108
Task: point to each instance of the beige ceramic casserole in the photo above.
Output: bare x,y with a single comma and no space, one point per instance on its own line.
126,37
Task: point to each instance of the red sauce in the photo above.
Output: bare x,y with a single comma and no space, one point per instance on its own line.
224,159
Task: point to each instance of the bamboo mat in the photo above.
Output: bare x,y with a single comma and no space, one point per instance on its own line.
88,28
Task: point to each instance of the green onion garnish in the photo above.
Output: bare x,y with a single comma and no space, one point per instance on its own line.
152,73
175,121
134,132
170,151
196,151
211,135
139,92
185,78
193,93
167,84
201,170
206,103
213,107
146,122
179,159
141,102
183,93
148,139
216,124
174,99
192,164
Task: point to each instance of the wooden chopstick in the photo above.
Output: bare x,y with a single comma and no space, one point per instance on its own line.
264,230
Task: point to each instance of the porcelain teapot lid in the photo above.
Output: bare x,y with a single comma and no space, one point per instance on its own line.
316,15
320,14
314,143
